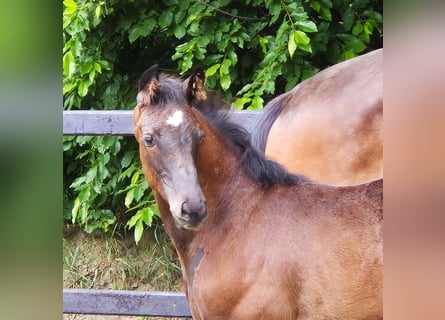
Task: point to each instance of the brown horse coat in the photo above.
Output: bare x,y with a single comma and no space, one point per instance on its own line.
255,242
329,127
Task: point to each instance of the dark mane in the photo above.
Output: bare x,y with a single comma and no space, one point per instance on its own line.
170,90
262,170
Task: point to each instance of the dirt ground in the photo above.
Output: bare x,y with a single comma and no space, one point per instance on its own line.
116,262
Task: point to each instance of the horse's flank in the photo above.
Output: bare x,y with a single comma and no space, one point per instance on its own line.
329,127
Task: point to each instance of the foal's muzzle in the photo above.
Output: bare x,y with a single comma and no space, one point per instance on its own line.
193,214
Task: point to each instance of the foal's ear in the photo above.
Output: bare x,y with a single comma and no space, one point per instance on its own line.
149,86
195,90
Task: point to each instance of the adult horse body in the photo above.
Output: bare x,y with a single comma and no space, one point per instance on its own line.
254,241
329,127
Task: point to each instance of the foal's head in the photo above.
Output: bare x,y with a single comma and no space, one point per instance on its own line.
168,137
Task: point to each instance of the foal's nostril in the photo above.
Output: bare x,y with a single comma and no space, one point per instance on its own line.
193,214
185,209
191,210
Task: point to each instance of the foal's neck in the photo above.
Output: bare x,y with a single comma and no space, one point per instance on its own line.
219,166
221,175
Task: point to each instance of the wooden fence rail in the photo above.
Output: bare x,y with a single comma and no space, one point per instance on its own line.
122,302
119,123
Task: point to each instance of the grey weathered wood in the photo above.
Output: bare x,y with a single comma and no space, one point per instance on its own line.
119,122
97,123
122,302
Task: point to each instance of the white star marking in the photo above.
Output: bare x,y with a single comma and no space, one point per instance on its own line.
176,119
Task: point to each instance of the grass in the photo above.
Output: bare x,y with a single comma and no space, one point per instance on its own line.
116,262
76,276
164,265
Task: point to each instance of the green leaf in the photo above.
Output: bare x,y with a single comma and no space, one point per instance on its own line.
357,46
67,145
301,37
107,141
225,66
105,64
305,47
326,14
348,19
135,177
263,42
76,47
97,67
200,53
179,31
129,198
275,11
75,209
179,15
187,62
71,7
225,81
257,103
138,230
127,172
102,171
82,90
292,44
147,215
348,54
283,27
212,70
245,89
67,88
142,30
68,64
165,19
240,102
105,158
373,15
346,37
98,11
233,56
307,26
86,68
78,182
358,28
84,194
97,186
91,174
134,35
126,160
195,29
138,193
326,3
134,219
368,27
315,5
359,4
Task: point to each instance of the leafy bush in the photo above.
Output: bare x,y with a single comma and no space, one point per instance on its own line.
251,50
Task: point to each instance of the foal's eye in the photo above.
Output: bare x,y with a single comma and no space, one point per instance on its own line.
148,140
